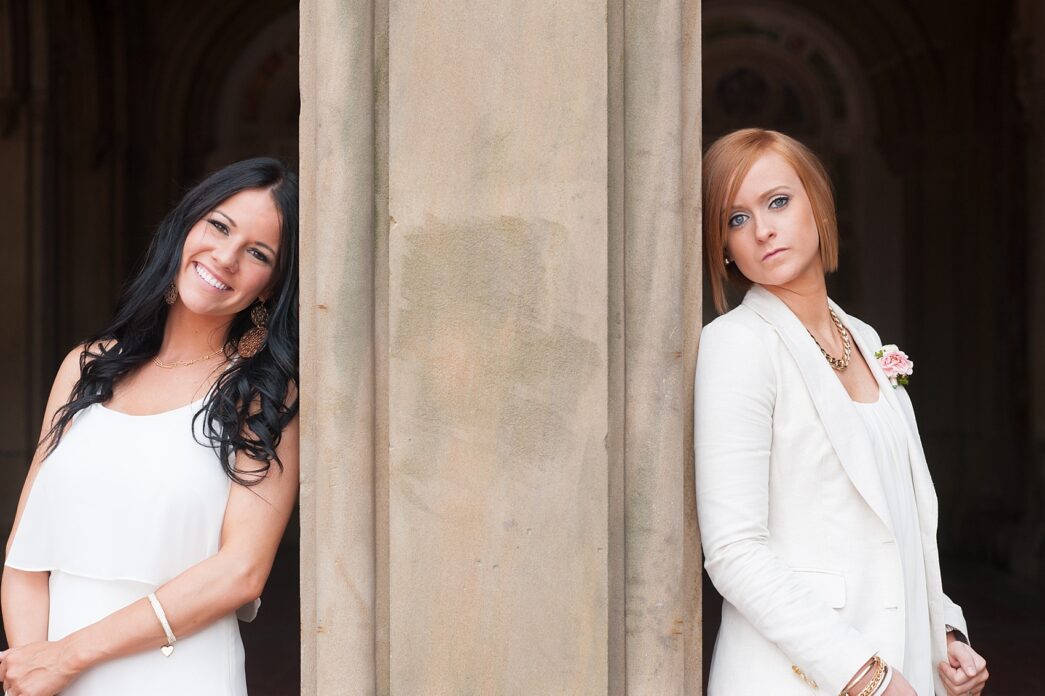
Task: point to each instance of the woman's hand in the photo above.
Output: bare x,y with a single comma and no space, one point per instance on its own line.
37,669
965,673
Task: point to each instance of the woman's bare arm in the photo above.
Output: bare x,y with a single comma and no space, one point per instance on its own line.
255,519
25,598
24,595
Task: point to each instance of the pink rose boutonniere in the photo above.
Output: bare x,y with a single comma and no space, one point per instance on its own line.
895,363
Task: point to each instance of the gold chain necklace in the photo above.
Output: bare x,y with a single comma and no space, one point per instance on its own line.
838,364
186,363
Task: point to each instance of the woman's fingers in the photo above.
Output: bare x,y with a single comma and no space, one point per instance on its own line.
953,678
958,682
967,659
965,670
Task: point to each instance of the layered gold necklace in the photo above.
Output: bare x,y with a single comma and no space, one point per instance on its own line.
838,363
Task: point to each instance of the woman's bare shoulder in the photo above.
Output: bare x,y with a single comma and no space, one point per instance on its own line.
69,371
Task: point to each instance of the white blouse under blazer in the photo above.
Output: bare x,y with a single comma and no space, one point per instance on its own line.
793,516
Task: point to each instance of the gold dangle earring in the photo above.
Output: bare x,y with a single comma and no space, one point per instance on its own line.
171,295
254,339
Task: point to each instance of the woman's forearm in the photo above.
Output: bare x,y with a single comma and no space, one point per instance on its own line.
25,601
192,601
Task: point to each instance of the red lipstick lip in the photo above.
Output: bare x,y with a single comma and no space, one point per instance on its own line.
773,253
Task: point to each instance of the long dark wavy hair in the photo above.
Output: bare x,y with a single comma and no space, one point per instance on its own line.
248,407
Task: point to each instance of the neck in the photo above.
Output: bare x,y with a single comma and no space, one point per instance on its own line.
807,299
188,336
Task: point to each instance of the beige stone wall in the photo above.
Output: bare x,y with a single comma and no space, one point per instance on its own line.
497,347
337,337
500,292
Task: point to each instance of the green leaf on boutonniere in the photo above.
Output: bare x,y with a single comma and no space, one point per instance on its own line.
902,380
878,354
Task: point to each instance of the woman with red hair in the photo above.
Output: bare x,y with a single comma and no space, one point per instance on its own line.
817,511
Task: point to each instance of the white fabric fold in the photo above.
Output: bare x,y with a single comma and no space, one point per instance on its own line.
124,498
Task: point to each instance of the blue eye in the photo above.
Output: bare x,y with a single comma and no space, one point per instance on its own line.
783,200
737,220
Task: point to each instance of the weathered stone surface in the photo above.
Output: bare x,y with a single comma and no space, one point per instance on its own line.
653,341
497,347
337,349
661,320
523,233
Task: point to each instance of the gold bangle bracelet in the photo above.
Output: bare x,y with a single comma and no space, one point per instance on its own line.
868,666
876,680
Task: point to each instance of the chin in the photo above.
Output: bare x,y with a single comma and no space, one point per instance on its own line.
772,279
204,306
781,280
780,277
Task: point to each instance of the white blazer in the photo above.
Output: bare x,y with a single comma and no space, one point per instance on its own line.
793,518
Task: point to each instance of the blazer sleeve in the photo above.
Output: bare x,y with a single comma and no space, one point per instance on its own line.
954,617
735,393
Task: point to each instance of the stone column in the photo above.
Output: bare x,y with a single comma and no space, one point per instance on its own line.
497,347
500,301
337,146
661,289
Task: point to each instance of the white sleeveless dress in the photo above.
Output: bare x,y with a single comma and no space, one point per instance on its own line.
123,505
885,426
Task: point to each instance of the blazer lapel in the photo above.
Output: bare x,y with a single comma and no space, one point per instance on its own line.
843,425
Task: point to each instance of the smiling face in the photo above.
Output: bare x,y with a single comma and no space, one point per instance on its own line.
771,229
229,256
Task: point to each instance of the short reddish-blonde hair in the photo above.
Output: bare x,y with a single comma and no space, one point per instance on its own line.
726,163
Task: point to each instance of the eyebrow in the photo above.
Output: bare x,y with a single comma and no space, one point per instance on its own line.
774,189
226,217
770,192
263,244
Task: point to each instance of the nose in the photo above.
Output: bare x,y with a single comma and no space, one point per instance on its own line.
225,254
764,230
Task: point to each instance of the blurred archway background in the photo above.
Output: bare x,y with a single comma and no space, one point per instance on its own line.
929,117
109,110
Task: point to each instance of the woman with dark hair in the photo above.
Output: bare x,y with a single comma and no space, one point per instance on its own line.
817,510
167,466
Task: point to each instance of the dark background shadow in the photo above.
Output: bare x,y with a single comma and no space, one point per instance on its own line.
929,117
109,110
